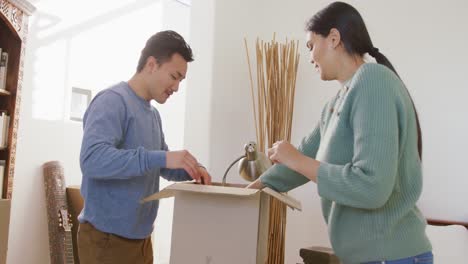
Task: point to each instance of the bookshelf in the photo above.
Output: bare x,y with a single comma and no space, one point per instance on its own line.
14,15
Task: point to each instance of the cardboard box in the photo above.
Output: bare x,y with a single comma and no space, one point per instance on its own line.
214,224
4,224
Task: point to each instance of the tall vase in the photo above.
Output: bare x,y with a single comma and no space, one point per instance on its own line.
273,105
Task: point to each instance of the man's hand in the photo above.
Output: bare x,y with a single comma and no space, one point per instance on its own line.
182,159
205,176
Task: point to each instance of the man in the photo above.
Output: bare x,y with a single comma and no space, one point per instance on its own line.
124,152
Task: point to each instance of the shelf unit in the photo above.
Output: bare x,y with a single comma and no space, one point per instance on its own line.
14,15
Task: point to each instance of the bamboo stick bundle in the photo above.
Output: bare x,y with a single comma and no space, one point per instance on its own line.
273,105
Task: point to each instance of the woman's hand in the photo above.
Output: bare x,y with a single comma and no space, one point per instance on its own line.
257,184
283,152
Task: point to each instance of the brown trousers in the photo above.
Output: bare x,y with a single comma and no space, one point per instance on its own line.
96,247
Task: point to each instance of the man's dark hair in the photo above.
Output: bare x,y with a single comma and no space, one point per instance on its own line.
162,46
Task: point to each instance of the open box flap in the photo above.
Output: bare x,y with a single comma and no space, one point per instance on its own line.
172,189
164,193
284,198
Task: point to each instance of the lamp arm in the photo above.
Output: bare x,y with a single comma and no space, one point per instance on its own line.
230,166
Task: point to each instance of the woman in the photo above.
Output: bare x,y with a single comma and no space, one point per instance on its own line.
365,154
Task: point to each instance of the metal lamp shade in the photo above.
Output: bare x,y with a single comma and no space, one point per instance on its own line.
250,170
251,165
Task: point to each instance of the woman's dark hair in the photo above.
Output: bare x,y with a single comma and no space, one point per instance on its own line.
162,46
354,36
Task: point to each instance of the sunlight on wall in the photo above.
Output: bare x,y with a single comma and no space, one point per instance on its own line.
49,93
89,48
118,51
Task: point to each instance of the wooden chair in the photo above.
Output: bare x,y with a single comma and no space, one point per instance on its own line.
75,205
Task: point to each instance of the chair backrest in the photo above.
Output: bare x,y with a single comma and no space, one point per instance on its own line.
449,243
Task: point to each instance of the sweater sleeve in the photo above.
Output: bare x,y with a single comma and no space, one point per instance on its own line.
368,180
101,158
281,178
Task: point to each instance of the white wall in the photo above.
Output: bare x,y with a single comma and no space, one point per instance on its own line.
175,16
425,42
91,45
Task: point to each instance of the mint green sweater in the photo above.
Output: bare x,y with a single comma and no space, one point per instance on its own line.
370,176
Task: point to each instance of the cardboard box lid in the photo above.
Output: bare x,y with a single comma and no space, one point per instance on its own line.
218,189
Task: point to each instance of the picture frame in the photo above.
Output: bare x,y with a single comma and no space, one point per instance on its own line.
80,100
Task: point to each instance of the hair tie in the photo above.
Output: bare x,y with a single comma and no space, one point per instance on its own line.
374,51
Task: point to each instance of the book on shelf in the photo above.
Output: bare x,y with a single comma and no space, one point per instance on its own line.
3,69
4,125
2,175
